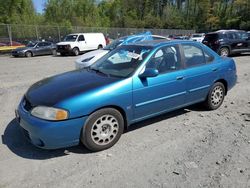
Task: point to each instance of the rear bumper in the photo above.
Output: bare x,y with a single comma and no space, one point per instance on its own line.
50,134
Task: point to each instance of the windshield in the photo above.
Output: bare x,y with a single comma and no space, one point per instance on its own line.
71,38
121,62
31,44
114,44
211,37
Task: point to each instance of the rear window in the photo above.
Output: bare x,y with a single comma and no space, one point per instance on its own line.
211,37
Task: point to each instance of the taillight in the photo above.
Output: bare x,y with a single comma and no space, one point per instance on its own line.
107,40
216,42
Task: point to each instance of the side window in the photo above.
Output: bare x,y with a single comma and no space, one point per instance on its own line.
166,59
244,36
230,36
81,38
209,58
193,55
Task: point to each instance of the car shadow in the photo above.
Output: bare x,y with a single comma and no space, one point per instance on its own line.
14,139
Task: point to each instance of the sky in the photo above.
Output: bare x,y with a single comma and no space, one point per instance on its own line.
39,5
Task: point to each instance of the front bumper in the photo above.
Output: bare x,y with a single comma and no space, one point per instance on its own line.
18,53
50,134
64,49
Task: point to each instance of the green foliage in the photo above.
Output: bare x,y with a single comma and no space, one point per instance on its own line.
179,14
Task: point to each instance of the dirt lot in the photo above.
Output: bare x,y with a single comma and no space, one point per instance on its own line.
186,148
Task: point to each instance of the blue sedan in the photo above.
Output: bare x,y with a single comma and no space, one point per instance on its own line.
127,85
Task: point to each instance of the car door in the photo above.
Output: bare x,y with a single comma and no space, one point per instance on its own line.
200,72
164,92
47,48
82,43
42,48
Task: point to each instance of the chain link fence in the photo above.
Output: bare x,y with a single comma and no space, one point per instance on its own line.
10,34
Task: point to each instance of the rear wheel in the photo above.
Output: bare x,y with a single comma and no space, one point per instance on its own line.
100,46
102,129
28,54
216,96
224,52
76,51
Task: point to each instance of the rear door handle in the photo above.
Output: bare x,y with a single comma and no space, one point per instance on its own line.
179,78
214,69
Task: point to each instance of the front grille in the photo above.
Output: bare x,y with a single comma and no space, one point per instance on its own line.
26,104
60,46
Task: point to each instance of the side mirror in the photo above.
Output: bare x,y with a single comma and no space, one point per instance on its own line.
149,72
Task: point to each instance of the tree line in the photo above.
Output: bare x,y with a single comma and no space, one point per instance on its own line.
201,15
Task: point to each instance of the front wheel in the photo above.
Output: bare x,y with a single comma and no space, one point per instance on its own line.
216,96
102,129
224,52
28,54
76,51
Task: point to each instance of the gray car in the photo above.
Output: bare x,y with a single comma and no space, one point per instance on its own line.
35,49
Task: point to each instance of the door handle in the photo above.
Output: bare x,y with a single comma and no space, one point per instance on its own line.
179,78
214,69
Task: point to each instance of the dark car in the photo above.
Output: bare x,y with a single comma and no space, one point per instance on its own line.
34,49
227,42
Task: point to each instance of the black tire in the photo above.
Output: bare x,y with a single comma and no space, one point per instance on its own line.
28,54
215,96
97,135
76,51
224,52
100,46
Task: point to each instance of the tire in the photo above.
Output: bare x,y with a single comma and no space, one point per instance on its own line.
100,46
28,54
76,51
102,129
215,96
224,52
54,52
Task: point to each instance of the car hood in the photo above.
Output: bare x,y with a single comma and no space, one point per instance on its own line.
53,90
22,49
93,54
65,43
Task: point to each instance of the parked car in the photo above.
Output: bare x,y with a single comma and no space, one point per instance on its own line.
227,42
131,83
14,43
89,58
81,42
2,44
35,49
197,37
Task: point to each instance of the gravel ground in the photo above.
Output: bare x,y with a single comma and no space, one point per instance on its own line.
186,148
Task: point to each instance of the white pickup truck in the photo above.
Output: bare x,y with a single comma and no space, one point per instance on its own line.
80,42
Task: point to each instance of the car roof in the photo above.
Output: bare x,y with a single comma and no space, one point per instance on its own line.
158,43
225,31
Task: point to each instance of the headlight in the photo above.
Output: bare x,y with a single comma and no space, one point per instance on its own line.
88,59
49,113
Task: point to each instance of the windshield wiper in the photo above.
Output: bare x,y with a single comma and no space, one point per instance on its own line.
98,71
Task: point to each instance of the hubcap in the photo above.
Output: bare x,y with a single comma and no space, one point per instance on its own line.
104,130
217,95
224,52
